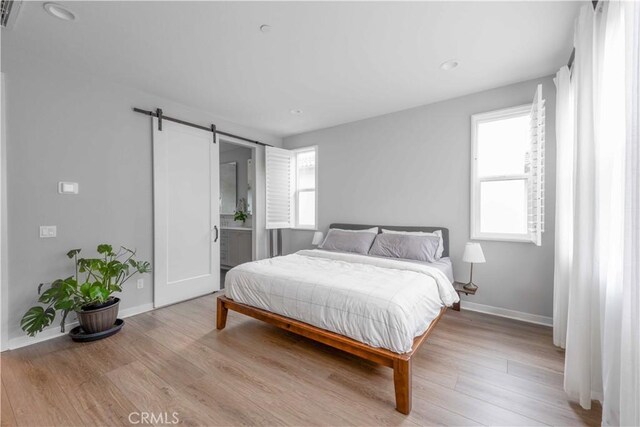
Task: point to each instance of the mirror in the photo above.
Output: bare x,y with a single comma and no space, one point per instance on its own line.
250,186
228,188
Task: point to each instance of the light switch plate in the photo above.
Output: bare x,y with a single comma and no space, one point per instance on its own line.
47,231
140,283
68,187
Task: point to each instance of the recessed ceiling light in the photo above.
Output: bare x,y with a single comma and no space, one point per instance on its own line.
450,64
296,111
264,28
59,11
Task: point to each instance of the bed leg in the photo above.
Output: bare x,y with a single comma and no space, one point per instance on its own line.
402,384
221,314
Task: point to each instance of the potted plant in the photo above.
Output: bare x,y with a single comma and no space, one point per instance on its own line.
89,292
241,214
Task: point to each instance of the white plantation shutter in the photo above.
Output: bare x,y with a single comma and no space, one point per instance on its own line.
280,187
535,166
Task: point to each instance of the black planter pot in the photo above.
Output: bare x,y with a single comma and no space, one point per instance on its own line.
99,318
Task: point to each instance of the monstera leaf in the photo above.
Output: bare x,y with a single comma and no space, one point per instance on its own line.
36,319
143,266
73,252
105,249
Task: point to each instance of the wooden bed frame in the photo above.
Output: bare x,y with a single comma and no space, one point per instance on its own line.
401,363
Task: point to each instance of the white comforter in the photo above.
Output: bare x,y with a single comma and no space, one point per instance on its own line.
381,302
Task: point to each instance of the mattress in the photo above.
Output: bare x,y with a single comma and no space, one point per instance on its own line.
381,302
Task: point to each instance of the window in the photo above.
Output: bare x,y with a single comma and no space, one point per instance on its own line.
507,174
291,188
305,190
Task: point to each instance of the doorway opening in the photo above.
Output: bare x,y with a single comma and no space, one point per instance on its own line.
237,205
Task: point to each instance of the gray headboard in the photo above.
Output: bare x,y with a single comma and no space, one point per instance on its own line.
445,231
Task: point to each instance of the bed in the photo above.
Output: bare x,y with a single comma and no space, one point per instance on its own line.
377,308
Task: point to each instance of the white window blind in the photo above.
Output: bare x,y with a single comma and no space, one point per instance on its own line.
280,182
535,166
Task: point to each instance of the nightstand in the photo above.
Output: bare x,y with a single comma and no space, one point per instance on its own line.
459,287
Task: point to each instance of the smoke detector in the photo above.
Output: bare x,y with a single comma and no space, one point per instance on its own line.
59,11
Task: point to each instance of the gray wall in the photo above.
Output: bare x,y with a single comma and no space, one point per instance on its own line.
412,168
66,126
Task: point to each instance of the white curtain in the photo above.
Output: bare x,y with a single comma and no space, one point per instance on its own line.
597,280
629,361
583,380
565,148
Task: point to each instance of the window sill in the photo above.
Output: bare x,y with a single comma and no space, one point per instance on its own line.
305,228
503,238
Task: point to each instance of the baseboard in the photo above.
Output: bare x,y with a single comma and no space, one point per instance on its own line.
51,333
132,311
511,314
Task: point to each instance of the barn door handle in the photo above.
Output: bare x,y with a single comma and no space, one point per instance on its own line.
215,227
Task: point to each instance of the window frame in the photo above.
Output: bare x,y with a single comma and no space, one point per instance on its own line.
297,191
476,181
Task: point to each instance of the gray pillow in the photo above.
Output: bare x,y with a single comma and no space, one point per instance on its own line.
420,248
348,241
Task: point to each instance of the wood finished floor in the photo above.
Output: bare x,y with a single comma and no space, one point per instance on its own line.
475,369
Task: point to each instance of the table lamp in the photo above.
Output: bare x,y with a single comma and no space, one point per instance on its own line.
472,254
317,238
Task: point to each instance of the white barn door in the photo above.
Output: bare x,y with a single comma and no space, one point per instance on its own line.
186,213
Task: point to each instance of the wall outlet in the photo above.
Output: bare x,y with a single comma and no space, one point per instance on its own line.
140,283
47,231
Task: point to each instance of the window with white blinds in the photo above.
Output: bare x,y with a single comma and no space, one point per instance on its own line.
507,173
306,194
291,193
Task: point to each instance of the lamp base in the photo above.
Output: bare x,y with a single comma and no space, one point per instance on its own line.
470,286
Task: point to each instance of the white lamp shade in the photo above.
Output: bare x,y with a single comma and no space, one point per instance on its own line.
317,238
473,253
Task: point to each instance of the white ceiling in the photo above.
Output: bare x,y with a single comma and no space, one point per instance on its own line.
338,62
